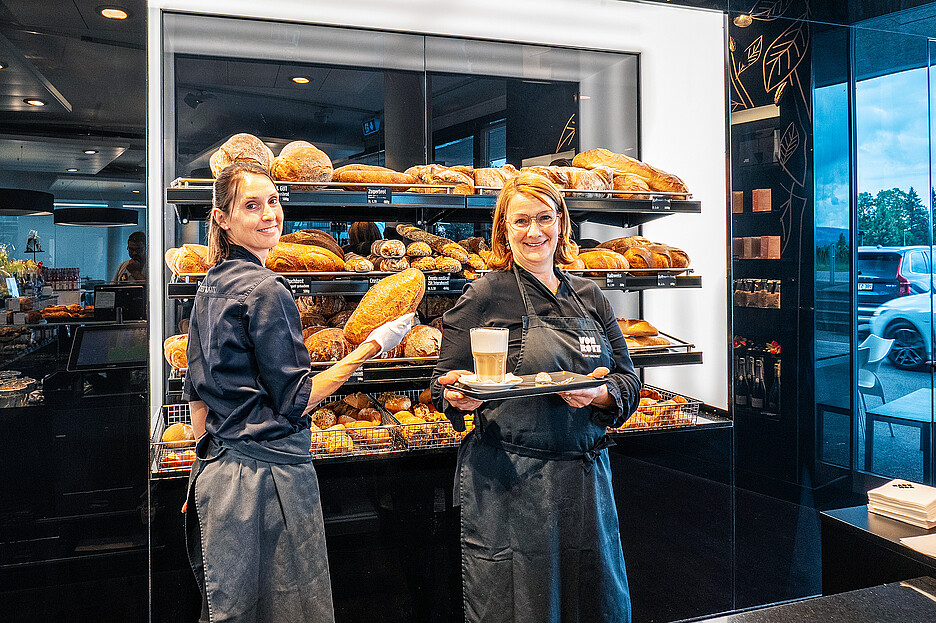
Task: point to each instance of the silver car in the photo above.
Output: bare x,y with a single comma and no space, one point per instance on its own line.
908,321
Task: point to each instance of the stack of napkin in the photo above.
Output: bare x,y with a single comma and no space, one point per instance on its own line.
905,501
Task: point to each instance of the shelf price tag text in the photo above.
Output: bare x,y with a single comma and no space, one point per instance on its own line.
379,195
283,190
300,285
437,283
615,280
665,280
661,203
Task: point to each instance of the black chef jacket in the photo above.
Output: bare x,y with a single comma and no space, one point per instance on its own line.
246,357
494,300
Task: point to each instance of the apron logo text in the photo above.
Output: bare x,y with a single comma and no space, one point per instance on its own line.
589,346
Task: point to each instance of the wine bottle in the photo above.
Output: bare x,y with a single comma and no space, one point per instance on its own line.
773,396
741,388
758,390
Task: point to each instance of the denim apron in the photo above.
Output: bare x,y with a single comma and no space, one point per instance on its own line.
256,540
539,526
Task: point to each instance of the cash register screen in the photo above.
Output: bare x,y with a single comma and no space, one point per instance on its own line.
103,348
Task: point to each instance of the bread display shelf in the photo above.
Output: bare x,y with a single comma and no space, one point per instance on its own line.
337,284
428,435
192,199
163,462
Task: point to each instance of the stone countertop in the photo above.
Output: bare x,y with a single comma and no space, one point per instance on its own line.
911,601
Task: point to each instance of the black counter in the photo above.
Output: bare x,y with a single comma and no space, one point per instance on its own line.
910,601
862,549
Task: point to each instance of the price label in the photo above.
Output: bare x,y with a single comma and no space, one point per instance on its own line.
300,285
615,280
379,195
357,375
661,203
665,280
283,191
437,283
372,280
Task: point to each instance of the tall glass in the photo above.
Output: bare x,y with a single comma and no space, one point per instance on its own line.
489,349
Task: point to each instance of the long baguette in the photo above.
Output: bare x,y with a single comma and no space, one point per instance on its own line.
443,246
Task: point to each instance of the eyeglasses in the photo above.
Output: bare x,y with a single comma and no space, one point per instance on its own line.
545,221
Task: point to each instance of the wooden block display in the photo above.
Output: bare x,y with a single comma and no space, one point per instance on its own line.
761,200
737,202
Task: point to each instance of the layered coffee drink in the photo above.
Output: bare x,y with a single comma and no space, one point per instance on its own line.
489,350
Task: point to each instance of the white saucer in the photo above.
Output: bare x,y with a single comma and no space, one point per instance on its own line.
471,380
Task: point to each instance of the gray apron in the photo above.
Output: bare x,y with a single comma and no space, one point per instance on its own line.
539,527
256,538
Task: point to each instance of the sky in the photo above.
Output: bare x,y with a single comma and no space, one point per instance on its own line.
892,129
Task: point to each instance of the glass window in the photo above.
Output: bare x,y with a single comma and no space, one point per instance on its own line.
918,263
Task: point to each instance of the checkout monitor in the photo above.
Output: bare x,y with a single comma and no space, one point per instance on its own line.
108,348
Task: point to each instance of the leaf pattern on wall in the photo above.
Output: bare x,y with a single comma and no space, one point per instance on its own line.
788,143
767,10
752,53
784,55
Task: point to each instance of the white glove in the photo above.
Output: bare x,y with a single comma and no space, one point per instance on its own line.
389,335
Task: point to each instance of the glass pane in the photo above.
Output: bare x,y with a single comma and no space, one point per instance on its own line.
894,302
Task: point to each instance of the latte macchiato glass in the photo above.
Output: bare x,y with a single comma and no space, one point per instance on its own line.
489,349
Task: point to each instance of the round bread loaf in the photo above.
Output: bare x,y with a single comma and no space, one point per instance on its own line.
339,320
175,348
422,341
326,305
189,258
418,249
314,237
423,263
638,257
301,161
324,418
660,255
327,345
387,300
306,332
309,319
447,264
680,259
241,148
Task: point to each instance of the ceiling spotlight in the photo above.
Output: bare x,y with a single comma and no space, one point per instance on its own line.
90,152
136,191
300,80
72,170
743,21
2,65
111,12
34,102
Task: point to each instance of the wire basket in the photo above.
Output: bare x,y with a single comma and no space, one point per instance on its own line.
169,459
665,413
435,432
356,440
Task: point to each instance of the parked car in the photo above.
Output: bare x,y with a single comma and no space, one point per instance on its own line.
909,322
886,273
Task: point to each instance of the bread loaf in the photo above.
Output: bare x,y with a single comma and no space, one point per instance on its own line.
494,177
422,341
418,249
619,163
576,264
475,244
307,331
623,244
636,327
679,258
175,348
358,264
638,257
339,320
447,265
425,396
287,257
438,244
241,148
323,304
393,265
301,161
597,178
366,174
392,249
660,256
387,300
324,418
327,345
603,258
651,340
476,261
309,319
358,400
630,182
438,174
314,237
188,259
424,264
394,402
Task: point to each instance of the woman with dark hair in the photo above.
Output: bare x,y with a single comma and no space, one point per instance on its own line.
254,525
360,237
540,536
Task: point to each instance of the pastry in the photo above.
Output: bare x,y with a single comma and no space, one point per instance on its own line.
301,161
387,300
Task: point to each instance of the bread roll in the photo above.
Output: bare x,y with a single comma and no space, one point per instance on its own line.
476,261
175,348
603,258
324,418
301,161
636,327
422,341
447,265
424,263
389,249
418,249
440,245
393,265
314,237
394,402
387,300
287,257
327,345
241,148
425,396
619,163
366,174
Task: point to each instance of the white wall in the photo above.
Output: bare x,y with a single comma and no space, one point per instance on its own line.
683,110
